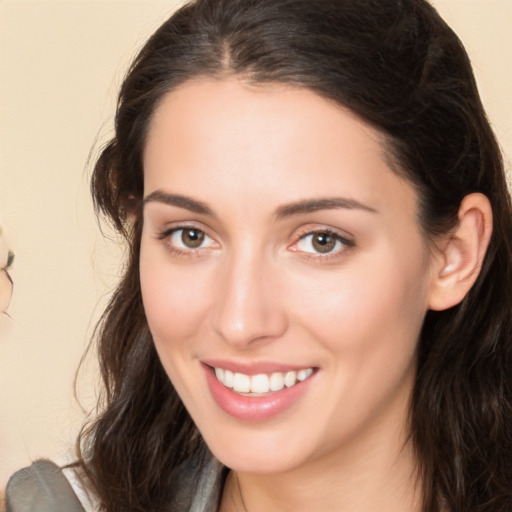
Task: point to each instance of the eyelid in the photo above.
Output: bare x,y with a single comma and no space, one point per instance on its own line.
169,227
205,243
343,237
166,233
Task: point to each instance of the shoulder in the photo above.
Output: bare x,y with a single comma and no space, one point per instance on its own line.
196,484
41,487
200,485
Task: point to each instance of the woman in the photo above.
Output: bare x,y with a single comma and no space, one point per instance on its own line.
315,312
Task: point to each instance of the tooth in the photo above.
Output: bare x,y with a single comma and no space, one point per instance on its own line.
289,379
260,383
241,383
276,381
304,374
228,379
219,373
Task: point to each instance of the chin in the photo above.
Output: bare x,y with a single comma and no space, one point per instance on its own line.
257,452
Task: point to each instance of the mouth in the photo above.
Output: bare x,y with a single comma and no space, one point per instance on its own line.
258,391
261,384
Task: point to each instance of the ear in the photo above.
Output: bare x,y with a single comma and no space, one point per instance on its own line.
461,255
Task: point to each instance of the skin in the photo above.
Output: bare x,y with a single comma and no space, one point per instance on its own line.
257,290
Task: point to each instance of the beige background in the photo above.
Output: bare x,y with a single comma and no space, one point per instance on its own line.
61,63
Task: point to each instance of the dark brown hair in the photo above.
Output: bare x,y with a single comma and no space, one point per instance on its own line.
400,68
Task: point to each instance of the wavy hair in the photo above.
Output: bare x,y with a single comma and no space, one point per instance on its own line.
400,68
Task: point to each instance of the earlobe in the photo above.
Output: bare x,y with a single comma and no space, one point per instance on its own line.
461,256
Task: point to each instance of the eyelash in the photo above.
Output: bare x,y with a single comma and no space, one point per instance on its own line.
167,235
327,257
345,242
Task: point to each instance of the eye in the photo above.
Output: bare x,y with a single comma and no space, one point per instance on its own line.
189,238
322,242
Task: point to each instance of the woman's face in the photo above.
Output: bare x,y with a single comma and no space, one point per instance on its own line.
284,275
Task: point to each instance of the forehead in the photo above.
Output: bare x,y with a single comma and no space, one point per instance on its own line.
271,140
231,104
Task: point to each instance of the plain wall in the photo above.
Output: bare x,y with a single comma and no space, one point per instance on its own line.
61,63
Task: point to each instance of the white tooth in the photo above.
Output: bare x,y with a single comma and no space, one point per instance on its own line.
304,374
228,379
241,383
276,381
219,373
260,383
289,379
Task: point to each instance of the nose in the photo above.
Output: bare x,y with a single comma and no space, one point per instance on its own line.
249,310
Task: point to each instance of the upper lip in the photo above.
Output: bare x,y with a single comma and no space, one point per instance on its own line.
254,367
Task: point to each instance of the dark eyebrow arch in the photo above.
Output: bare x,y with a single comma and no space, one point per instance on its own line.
178,200
314,205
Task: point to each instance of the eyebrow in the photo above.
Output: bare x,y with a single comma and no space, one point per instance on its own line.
287,210
327,203
180,201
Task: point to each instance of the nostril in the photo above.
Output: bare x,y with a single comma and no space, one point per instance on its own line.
248,309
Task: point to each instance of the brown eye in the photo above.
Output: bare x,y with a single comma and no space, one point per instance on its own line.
323,242
187,239
192,238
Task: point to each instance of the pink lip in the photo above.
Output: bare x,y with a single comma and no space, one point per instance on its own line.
253,368
249,408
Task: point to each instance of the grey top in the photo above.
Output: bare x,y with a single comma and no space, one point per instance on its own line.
42,487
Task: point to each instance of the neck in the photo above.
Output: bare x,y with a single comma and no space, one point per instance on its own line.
377,472
368,486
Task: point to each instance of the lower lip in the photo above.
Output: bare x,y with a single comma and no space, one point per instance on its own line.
253,408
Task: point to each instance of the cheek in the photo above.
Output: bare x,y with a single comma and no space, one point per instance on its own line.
175,299
375,306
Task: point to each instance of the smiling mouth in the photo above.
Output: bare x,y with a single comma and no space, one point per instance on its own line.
261,384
